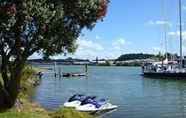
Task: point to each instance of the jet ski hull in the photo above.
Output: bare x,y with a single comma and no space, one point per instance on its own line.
92,109
72,104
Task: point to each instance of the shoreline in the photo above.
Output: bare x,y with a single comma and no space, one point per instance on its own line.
25,108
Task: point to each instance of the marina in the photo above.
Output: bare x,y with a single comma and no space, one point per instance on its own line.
136,96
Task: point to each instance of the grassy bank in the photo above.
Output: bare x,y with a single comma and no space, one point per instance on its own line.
69,113
24,108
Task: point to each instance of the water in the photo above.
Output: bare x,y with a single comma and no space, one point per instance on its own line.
136,96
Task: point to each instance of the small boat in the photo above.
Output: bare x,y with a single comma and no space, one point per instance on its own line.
76,100
93,106
73,74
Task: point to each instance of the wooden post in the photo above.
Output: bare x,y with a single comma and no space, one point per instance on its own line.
59,69
55,70
86,69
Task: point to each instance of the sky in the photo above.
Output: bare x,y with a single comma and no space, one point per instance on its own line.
132,26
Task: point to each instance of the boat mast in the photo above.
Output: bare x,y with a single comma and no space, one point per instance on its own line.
181,39
165,28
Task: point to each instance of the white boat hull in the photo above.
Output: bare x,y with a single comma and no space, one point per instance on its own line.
92,108
72,104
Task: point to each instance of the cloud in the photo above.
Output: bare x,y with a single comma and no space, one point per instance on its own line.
176,34
156,49
88,49
159,22
119,43
89,45
98,37
184,7
92,48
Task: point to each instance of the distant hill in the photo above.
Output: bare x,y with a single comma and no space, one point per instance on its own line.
68,61
126,57
57,60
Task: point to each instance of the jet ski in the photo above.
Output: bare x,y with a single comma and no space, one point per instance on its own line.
76,100
92,106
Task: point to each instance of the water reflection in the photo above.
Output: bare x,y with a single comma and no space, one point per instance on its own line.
168,95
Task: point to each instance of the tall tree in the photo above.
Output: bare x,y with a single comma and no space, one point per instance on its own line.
47,26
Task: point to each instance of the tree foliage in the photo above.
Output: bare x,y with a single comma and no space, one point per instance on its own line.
47,26
126,57
159,56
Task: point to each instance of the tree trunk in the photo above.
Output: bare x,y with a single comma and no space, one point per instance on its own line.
10,90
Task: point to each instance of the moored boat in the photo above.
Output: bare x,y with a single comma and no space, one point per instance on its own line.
73,74
168,68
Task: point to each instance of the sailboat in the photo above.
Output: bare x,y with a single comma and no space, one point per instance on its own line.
167,68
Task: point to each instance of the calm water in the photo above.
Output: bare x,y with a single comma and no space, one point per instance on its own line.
136,96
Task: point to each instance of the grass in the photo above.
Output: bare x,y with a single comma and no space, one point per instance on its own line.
26,109
69,113
61,113
23,115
